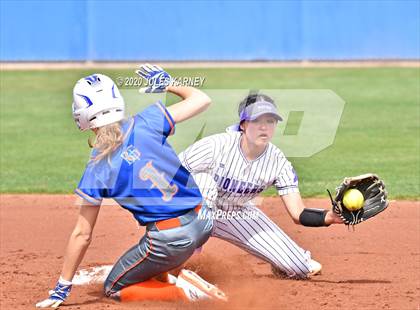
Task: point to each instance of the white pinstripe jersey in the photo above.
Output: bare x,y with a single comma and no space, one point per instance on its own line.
239,179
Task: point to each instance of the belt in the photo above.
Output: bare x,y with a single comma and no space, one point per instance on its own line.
174,222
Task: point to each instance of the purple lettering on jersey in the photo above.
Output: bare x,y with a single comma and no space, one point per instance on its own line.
295,179
248,188
254,190
241,188
216,178
234,185
226,184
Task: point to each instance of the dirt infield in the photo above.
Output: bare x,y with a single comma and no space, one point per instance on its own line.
375,267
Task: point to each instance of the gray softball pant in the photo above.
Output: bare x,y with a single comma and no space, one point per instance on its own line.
166,245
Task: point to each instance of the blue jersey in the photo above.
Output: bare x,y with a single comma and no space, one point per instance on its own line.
144,175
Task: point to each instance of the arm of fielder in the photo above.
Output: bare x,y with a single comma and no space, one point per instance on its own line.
194,102
308,217
294,205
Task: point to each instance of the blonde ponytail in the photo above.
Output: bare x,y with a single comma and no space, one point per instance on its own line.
108,139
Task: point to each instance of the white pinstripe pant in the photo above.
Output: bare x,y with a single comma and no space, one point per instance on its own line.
261,237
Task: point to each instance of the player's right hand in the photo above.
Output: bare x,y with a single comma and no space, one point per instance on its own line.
57,296
156,77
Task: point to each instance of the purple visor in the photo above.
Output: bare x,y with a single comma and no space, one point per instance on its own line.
254,111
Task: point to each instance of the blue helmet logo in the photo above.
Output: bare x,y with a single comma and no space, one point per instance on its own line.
92,79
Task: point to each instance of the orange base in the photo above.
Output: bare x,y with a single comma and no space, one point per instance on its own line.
152,290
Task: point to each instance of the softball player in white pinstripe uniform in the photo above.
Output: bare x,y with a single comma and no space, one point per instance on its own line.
234,167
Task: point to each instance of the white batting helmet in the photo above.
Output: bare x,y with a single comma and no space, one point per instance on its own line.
96,102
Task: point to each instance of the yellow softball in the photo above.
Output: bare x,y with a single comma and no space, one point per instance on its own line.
353,199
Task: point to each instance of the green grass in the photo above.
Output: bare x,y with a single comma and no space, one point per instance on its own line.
42,151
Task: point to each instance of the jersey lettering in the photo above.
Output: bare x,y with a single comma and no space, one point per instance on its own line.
238,179
148,172
131,154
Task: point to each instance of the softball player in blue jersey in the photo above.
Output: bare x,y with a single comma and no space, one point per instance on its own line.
133,163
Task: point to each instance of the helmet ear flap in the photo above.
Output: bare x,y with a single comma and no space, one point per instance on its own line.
76,115
79,119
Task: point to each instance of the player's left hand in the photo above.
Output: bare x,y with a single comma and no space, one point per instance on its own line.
332,218
157,78
57,296
374,198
